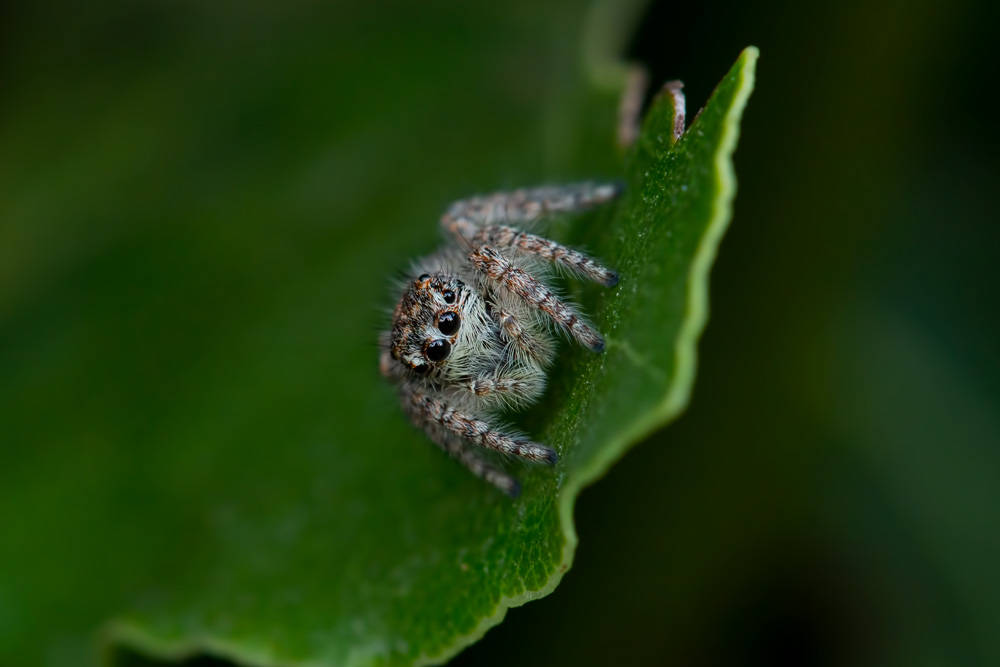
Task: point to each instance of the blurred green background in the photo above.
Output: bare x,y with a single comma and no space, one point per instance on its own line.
176,179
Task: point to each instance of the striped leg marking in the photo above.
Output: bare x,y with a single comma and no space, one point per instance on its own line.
507,238
466,216
493,264
451,429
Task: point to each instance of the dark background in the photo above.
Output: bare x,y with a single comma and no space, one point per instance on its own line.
831,496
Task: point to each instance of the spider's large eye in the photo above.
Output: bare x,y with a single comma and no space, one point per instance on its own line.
437,350
448,322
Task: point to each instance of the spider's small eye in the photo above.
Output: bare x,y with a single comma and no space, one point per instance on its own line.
423,277
420,369
449,296
448,322
437,350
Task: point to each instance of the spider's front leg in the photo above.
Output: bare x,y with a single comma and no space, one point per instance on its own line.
454,431
489,261
466,217
506,238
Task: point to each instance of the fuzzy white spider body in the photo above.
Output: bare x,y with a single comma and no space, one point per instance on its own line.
473,333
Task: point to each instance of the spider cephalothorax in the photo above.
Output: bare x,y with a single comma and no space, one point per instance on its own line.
472,331
427,321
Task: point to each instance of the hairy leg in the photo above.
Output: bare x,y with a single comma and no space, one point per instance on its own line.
538,296
467,216
433,410
461,451
674,90
504,238
630,107
426,415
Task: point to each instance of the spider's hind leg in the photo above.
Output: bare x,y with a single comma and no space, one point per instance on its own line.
455,431
477,466
466,217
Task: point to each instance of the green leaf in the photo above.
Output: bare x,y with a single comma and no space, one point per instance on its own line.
368,547
196,237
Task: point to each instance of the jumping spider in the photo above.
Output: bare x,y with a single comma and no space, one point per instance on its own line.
472,334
